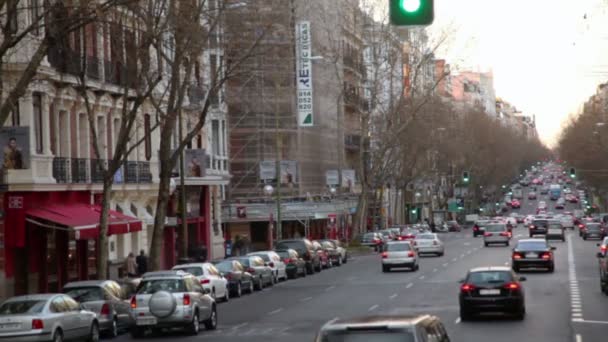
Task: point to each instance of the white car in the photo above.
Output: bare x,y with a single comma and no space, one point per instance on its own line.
496,233
428,243
274,261
399,254
209,277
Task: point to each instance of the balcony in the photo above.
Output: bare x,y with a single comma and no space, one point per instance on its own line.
80,170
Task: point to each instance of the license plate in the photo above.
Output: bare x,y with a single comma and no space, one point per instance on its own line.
10,325
489,292
531,255
146,321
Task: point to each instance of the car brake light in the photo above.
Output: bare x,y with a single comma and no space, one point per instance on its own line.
399,238
581,226
546,256
251,270
105,310
186,299
410,254
603,248
531,226
504,234
487,234
384,255
467,287
512,286
205,281
37,324
516,256
133,302
287,260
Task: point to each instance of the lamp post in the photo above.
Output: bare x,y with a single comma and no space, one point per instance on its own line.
269,190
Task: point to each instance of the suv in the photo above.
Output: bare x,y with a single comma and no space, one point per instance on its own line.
496,233
415,328
169,299
538,227
305,249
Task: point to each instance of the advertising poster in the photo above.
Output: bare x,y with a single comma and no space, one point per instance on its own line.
15,142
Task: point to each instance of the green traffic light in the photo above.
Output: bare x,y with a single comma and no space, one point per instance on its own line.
411,12
410,6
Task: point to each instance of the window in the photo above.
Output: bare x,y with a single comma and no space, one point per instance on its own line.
223,130
215,137
15,117
71,304
147,137
37,103
213,95
59,305
213,271
34,13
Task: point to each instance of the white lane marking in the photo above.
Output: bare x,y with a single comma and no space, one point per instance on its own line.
434,270
469,252
238,326
455,259
409,285
461,256
330,288
457,321
421,277
576,306
579,338
591,322
445,265
393,296
373,307
274,312
467,243
305,299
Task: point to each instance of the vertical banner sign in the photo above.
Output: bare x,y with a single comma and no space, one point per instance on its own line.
304,73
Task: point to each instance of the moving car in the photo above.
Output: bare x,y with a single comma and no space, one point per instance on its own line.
294,265
567,221
453,226
532,195
399,254
239,280
372,240
593,231
428,243
496,233
210,278
555,230
172,299
602,256
479,227
274,261
535,253
492,289
105,298
560,204
306,251
46,317
538,226
515,204
406,328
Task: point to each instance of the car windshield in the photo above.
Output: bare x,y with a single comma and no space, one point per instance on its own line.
532,245
495,228
151,286
398,247
22,307
194,270
85,294
244,261
264,256
489,277
369,336
225,266
540,223
425,237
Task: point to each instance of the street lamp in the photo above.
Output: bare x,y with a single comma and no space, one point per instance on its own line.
268,189
333,190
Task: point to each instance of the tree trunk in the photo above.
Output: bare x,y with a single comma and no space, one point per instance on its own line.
102,242
161,210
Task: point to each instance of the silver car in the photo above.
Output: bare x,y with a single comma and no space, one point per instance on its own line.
399,254
170,299
496,233
429,243
105,298
46,317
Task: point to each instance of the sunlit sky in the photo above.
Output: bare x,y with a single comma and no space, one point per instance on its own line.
547,59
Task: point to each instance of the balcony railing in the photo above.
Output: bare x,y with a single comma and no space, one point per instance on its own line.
352,142
81,170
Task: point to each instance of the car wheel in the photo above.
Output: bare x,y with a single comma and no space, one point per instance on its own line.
227,294
251,286
464,315
239,290
114,329
137,332
58,336
318,268
195,326
551,268
531,235
211,323
507,243
94,333
345,259
521,314
485,244
304,273
385,268
584,237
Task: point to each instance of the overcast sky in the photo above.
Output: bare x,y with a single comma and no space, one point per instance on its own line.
546,57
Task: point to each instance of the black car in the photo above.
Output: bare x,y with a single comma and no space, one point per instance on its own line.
239,280
593,230
492,289
294,265
538,227
534,253
556,231
305,250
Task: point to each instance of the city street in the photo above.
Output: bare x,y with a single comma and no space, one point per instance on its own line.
294,310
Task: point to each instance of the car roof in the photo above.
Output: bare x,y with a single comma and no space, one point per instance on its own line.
490,268
40,296
532,240
377,320
82,283
165,274
398,242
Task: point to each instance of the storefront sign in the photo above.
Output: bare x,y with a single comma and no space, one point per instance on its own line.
332,177
289,171
268,170
304,74
348,178
15,202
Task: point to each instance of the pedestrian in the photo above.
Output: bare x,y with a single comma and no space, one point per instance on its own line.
142,263
131,266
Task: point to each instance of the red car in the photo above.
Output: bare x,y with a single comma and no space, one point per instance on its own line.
515,204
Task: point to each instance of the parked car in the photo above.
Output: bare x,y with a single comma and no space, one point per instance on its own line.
410,328
372,239
341,250
106,299
172,299
42,317
335,258
536,253
602,256
305,250
399,254
261,273
274,261
429,243
294,265
492,289
323,255
210,278
239,280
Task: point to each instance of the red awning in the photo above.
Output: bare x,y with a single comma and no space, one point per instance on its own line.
83,219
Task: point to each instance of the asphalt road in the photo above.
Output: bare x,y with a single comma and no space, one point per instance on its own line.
564,306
